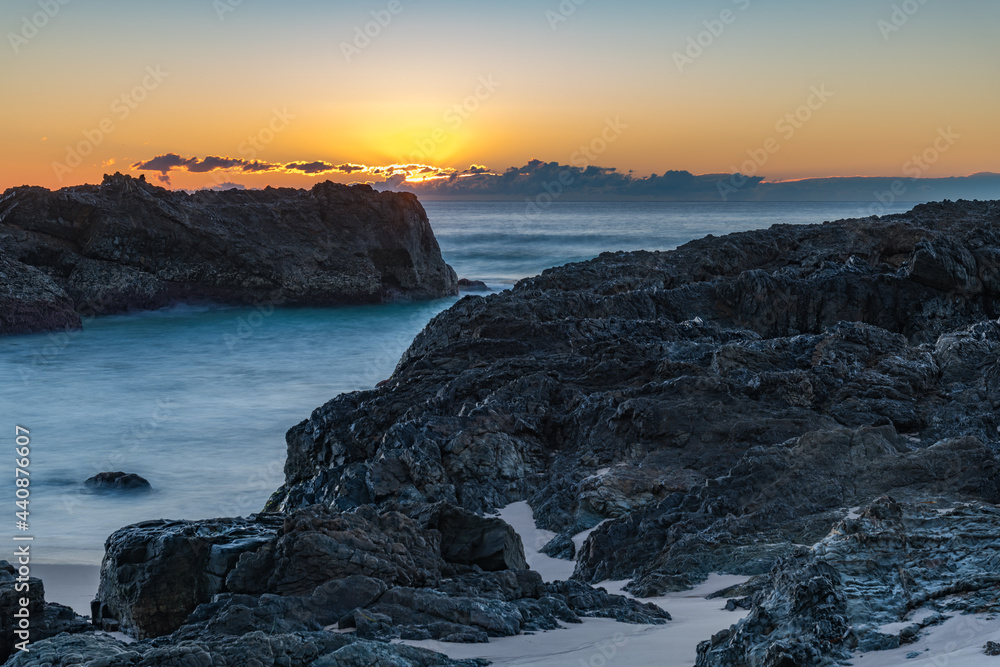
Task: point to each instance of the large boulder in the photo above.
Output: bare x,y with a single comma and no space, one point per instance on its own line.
118,481
156,573
470,539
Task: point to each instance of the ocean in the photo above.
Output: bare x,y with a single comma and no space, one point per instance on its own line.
197,399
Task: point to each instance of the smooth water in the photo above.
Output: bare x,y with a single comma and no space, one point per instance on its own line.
198,400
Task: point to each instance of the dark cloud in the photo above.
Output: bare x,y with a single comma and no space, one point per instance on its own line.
212,163
350,168
310,167
164,163
256,166
172,161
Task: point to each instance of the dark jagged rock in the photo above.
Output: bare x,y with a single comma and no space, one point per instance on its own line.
317,546
473,608
128,245
44,619
156,573
466,608
118,481
889,564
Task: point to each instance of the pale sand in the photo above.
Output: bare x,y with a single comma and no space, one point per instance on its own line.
958,642
601,642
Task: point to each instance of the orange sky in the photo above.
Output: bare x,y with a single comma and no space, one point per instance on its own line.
128,81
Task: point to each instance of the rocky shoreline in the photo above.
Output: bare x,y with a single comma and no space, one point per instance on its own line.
813,406
126,245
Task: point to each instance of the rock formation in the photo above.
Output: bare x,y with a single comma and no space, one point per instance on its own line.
815,406
127,245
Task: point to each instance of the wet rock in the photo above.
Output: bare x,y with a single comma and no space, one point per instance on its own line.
127,245
118,481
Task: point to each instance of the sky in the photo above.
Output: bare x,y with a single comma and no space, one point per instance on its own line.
195,93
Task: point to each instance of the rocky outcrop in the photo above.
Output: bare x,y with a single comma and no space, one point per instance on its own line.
720,407
712,408
128,245
443,573
118,481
